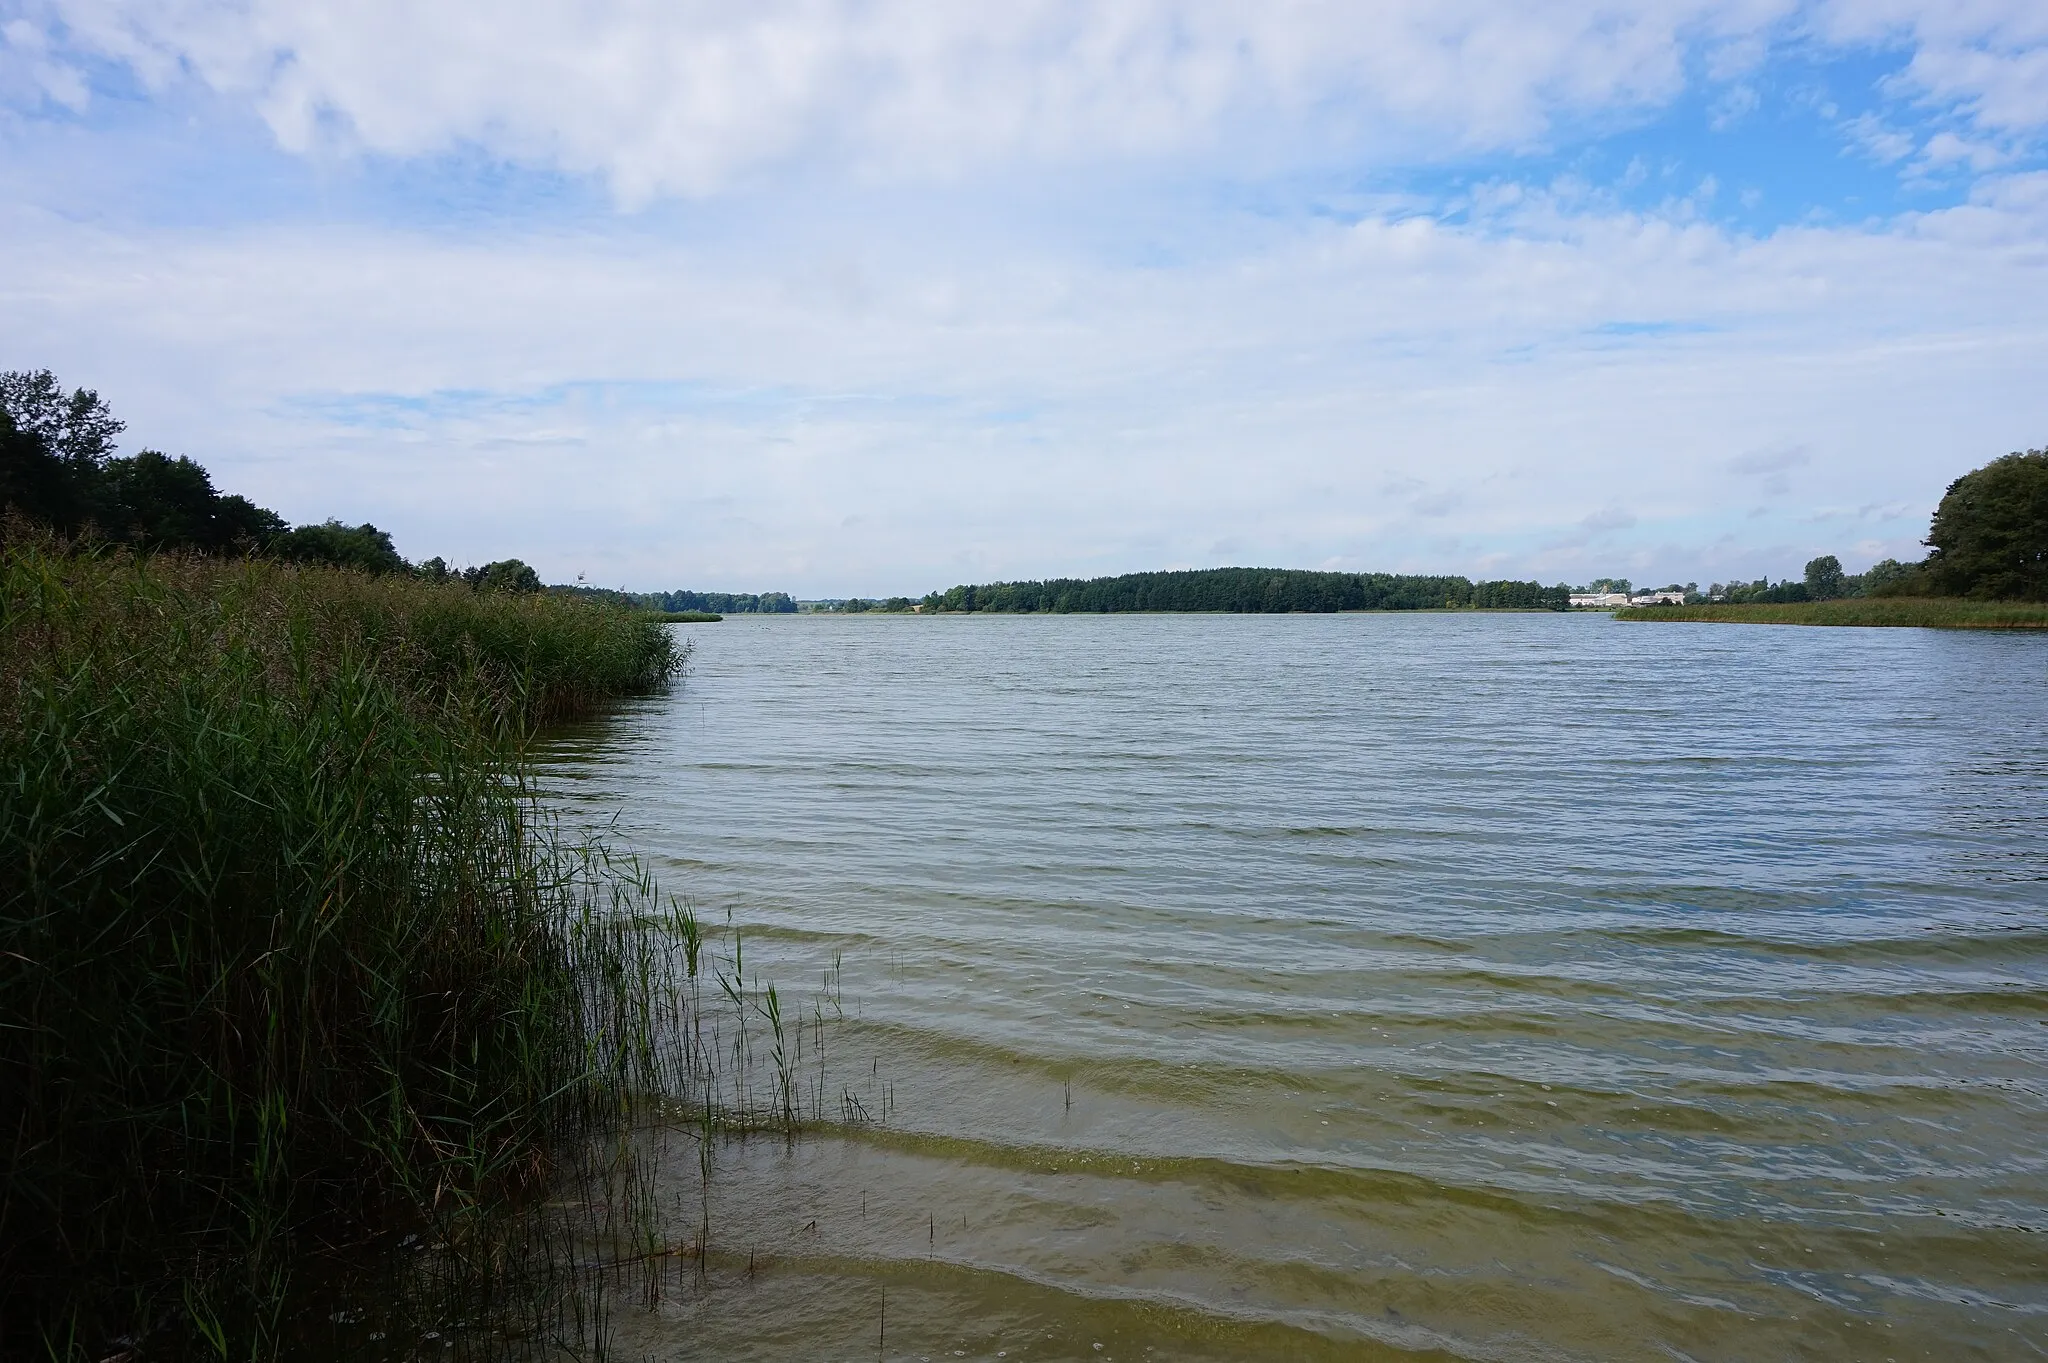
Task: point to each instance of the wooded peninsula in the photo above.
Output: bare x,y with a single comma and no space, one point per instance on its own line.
1256,591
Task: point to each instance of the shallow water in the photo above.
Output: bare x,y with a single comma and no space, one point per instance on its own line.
1434,986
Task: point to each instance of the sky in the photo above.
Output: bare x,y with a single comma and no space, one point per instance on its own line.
868,297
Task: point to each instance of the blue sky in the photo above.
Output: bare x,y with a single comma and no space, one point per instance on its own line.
869,298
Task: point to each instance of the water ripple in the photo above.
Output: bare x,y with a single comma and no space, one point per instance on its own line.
1362,986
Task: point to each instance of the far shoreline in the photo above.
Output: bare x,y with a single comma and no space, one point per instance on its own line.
1051,615
1880,612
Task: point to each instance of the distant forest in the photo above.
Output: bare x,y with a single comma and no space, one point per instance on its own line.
724,603
1250,591
720,603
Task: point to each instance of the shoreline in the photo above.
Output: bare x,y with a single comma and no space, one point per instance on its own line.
1881,612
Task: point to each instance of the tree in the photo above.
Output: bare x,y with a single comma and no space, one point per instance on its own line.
35,482
57,466
159,501
1990,533
1762,590
1824,578
239,522
53,449
1889,577
1249,590
362,547
77,429
165,503
506,575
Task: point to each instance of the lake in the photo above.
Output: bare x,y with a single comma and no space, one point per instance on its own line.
1444,986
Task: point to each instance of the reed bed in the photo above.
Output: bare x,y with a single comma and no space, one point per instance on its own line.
290,958
1924,612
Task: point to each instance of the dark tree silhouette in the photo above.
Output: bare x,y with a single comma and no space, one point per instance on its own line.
363,547
1250,590
1990,533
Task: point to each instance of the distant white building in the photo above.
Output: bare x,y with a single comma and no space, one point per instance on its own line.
1656,599
1600,600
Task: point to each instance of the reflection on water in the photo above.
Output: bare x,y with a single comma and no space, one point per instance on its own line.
1488,987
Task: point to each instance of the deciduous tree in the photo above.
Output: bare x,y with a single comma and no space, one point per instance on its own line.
1990,533
1825,579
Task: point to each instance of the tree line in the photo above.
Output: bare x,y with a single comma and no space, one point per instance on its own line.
59,469
1987,541
1824,580
1248,591
714,603
723,603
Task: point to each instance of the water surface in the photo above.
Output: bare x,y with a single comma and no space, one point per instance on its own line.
1403,986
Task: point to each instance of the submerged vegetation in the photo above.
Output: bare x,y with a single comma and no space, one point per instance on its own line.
1250,590
1933,613
286,950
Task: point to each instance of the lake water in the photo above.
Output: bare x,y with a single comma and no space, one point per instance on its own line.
1369,986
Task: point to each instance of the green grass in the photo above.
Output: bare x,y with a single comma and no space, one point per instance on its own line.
1927,612
287,951
685,617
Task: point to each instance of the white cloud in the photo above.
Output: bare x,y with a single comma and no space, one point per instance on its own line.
1879,141
1988,56
1317,395
29,73
1947,149
689,95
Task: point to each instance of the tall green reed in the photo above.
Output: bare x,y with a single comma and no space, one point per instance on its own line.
287,952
